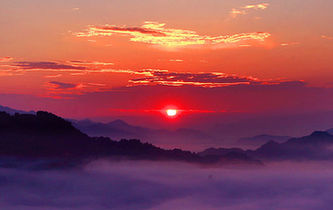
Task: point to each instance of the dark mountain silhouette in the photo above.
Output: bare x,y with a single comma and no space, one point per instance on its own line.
118,129
45,135
256,141
317,146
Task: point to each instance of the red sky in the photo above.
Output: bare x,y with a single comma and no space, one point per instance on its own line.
101,58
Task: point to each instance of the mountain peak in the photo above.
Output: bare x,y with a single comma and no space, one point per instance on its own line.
320,134
13,111
118,122
330,131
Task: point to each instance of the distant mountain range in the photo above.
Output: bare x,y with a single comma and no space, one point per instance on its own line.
46,136
183,137
330,131
13,111
118,129
256,141
191,139
317,146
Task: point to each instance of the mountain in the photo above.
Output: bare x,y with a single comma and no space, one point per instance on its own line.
317,146
183,138
13,111
256,141
46,136
233,154
117,129
330,131
220,151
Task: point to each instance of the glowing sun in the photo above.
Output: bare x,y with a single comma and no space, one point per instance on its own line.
171,112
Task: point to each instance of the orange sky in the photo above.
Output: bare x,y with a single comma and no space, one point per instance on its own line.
66,49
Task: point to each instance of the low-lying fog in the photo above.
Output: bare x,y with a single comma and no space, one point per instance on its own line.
156,185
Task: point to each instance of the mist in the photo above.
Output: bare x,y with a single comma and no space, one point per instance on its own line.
168,185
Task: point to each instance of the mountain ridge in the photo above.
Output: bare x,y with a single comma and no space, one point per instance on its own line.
118,129
316,146
45,135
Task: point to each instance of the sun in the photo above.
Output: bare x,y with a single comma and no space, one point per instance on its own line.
171,112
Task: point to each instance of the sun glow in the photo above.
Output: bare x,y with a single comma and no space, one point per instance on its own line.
171,112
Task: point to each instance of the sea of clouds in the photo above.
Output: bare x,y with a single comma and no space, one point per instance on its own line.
164,185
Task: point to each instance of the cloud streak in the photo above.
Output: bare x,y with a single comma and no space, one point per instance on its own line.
138,77
62,85
46,65
157,34
57,90
208,80
143,77
327,37
245,10
5,59
76,67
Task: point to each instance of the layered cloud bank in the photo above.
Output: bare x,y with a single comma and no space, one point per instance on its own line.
79,85
133,185
58,77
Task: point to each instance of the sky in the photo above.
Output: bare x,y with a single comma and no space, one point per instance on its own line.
103,58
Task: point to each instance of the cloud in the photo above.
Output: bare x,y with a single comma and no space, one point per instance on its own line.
245,10
7,73
79,62
65,65
74,67
261,6
157,34
157,185
46,65
59,90
176,60
144,30
6,67
285,44
5,59
62,85
236,12
208,80
327,37
96,84
53,76
144,77
21,67
237,100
